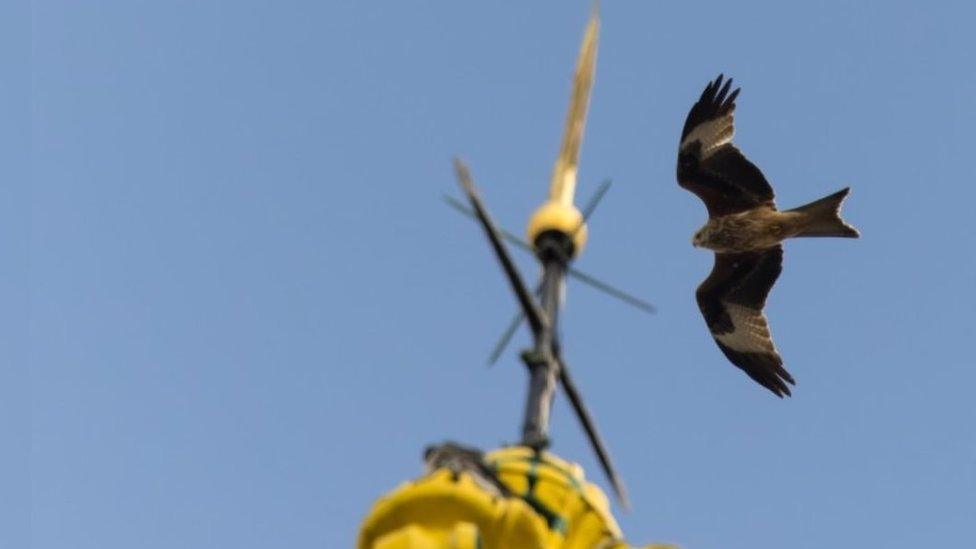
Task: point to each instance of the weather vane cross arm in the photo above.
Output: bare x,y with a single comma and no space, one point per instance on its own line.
536,317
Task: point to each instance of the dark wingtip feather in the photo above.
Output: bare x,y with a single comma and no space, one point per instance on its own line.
731,100
717,84
766,370
717,96
778,375
775,384
786,375
715,101
787,391
708,94
723,92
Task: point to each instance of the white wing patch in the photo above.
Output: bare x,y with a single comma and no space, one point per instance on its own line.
712,134
751,334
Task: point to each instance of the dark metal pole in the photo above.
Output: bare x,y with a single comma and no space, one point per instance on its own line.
554,250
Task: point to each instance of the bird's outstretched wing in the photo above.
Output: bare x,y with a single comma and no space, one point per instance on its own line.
709,165
732,300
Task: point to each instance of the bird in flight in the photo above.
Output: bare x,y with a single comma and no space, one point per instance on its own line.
746,231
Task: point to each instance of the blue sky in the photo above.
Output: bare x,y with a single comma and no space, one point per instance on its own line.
249,309
14,376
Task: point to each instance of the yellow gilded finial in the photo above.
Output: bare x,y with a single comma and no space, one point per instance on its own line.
559,213
563,184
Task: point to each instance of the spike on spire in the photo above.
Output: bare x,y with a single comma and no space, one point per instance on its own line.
559,213
563,186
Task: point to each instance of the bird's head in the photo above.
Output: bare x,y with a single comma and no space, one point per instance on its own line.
699,239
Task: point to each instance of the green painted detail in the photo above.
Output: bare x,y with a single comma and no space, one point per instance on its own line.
554,521
535,461
533,475
559,525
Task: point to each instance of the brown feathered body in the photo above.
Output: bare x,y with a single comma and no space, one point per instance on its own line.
764,226
756,229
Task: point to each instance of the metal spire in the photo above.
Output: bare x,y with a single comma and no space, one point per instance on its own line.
556,234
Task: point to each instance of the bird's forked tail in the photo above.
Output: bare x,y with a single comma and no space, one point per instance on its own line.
822,217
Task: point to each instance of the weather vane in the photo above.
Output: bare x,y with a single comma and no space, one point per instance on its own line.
522,496
556,233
